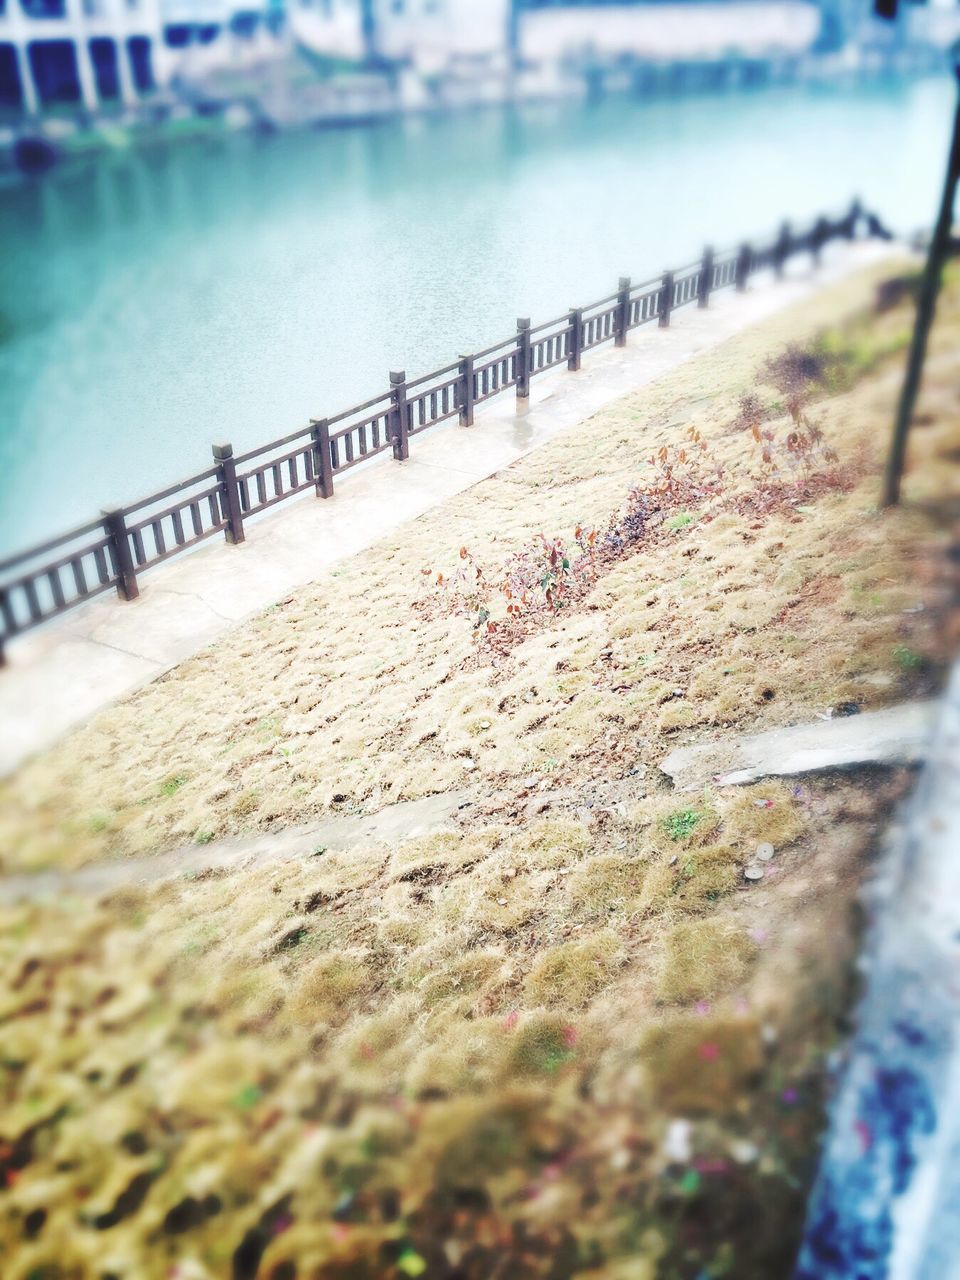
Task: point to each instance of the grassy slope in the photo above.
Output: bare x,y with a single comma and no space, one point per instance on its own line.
468,1048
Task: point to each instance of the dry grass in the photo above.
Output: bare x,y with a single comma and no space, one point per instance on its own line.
430,1057
308,709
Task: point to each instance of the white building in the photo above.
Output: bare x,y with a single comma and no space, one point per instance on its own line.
88,52
429,35
95,54
664,32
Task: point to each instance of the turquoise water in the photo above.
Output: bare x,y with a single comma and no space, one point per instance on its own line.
154,303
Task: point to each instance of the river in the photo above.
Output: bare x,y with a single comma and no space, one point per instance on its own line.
153,302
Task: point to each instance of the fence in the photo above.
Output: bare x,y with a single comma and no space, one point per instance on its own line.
113,550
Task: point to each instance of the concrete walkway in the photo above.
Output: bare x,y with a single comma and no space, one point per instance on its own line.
60,675
409,820
894,736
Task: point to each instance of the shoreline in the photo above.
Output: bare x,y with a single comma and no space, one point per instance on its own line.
32,146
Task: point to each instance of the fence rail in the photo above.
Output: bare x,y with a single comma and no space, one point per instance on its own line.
111,552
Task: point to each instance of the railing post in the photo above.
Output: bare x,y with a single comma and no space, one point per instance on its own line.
853,219
116,528
230,491
817,238
322,462
782,251
466,391
666,300
575,339
706,278
522,357
622,313
742,268
398,416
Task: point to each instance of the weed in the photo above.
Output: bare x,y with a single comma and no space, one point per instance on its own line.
172,785
202,837
907,659
681,520
680,825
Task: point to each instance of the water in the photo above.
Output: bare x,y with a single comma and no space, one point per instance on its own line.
153,303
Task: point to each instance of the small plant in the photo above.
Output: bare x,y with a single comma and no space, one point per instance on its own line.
292,939
679,825
681,520
203,837
542,577
907,659
172,785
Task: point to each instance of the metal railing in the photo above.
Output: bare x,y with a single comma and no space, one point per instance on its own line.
113,551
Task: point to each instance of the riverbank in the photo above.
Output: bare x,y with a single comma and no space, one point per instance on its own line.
296,91
563,1035
109,648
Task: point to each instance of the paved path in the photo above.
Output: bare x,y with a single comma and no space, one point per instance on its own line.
895,735
60,675
405,821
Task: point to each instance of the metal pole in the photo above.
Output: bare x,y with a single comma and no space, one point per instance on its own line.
926,306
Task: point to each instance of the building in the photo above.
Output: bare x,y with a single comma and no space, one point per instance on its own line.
665,32
83,52
98,54
430,36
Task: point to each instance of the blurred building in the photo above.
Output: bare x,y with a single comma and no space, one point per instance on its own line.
659,32
76,51
93,54
428,35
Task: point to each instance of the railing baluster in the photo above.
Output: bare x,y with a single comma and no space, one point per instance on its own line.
79,577
158,538
100,560
56,589
33,603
